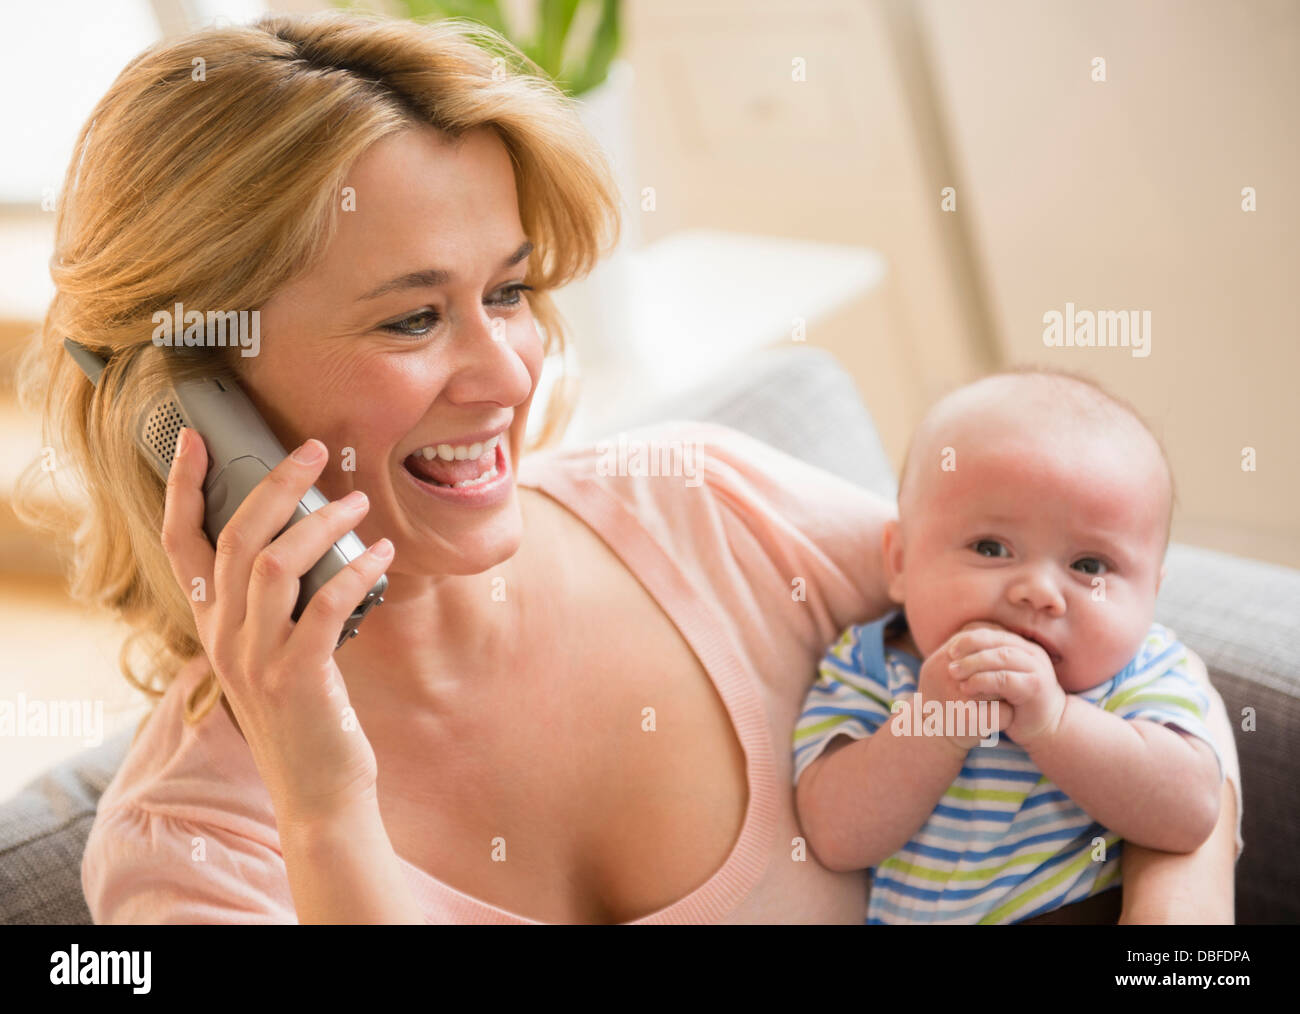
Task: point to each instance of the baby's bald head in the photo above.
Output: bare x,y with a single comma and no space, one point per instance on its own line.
1048,411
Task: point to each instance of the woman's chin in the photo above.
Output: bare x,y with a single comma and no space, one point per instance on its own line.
488,544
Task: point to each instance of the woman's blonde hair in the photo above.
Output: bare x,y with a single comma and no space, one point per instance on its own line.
211,174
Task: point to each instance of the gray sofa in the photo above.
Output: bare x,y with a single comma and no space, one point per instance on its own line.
1242,617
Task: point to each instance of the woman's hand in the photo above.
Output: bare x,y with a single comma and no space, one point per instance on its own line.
279,677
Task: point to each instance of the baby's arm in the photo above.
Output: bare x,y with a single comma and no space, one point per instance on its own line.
862,800
1147,782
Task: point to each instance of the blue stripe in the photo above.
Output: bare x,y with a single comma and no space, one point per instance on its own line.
970,856
830,709
1007,883
974,834
1029,774
1051,906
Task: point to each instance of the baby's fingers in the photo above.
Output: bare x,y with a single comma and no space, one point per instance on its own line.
972,638
183,538
1001,656
1009,686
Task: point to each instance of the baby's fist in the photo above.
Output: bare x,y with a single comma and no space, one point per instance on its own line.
989,660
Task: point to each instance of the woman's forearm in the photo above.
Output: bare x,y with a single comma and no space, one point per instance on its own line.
1193,887
344,871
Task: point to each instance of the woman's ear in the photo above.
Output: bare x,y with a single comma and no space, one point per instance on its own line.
893,558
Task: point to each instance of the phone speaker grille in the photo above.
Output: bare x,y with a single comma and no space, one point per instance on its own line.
163,428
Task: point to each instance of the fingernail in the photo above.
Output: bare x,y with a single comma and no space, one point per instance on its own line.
953,666
180,442
308,452
354,499
382,549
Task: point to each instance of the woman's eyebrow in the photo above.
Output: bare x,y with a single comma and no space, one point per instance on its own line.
437,276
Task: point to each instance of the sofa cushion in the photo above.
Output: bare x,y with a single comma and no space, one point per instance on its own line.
43,833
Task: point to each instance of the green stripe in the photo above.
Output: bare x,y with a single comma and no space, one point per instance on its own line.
1102,883
1106,879
1120,699
843,648
929,873
1179,703
861,690
1019,900
988,795
812,730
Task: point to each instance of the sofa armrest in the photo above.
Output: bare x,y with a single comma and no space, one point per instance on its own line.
1243,617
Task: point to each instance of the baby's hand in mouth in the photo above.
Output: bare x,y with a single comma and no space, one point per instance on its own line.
992,661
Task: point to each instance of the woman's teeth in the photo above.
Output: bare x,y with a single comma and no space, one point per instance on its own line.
487,476
484,454
459,452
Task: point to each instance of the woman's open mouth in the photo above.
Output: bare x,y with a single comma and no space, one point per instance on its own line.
481,480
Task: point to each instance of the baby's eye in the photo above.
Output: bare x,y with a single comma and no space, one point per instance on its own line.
1097,564
979,545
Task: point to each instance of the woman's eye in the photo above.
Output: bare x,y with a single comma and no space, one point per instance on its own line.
396,327
986,543
1098,564
515,292
512,294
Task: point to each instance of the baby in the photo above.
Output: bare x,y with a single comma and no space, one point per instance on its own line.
1034,514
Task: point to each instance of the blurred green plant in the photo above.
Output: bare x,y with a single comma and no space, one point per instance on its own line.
575,64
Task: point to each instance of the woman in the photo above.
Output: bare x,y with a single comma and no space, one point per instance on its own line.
576,702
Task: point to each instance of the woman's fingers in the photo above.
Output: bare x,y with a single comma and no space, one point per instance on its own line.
261,516
183,538
274,588
286,692
325,614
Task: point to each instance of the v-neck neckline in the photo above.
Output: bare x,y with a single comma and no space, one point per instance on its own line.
695,621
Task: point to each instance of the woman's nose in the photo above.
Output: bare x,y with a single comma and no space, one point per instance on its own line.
486,364
1036,587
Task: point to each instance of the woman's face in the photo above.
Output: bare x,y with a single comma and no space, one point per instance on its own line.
377,362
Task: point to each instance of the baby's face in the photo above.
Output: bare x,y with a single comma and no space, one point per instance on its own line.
1058,536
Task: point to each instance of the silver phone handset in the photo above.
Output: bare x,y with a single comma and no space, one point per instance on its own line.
242,450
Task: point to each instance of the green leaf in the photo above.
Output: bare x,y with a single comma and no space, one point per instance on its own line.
579,73
604,47
556,20
487,12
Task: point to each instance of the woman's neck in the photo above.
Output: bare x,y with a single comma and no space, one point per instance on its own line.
432,639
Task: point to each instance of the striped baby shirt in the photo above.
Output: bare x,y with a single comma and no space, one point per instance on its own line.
1004,844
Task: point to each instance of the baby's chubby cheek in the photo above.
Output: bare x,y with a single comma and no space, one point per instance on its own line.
1100,643
931,621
